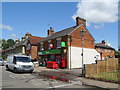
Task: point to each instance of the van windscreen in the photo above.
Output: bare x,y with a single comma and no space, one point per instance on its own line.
23,59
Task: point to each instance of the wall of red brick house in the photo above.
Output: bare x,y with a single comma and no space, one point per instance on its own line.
105,53
54,42
33,52
77,39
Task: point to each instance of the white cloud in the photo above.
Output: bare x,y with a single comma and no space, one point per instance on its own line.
98,26
98,11
87,24
9,28
14,36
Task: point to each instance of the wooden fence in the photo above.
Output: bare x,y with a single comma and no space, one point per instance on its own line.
102,66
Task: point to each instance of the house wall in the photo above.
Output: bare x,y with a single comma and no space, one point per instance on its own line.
77,38
105,52
33,52
75,58
54,42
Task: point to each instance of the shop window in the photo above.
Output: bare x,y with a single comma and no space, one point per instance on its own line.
59,43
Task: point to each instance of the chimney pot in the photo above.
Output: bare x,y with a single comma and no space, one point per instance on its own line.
80,21
103,42
50,31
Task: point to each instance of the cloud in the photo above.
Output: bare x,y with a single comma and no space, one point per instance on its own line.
87,24
7,27
14,36
98,26
97,11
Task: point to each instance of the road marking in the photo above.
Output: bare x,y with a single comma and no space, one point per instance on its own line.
12,76
59,86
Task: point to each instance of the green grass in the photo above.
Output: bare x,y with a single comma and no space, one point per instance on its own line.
113,76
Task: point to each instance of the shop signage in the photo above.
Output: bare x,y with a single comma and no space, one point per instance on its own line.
63,44
56,51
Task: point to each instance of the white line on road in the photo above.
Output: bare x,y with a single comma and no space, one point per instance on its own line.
65,85
12,76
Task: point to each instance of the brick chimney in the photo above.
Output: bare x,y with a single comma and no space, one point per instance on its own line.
80,21
50,31
17,41
23,38
28,34
103,42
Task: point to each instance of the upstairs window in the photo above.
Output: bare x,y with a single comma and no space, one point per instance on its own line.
58,42
109,50
41,46
98,49
49,44
28,46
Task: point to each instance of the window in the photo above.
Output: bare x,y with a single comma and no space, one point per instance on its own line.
103,49
109,50
41,46
98,49
28,47
58,42
49,42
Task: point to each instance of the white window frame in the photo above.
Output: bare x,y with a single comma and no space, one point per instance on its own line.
58,43
41,46
98,49
28,46
49,42
109,50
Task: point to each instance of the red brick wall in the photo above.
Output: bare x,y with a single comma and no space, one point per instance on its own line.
33,52
54,42
77,38
105,53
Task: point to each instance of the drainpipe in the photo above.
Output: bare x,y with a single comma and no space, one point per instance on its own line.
69,51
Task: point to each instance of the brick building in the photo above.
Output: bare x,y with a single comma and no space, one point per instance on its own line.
67,44
27,46
105,50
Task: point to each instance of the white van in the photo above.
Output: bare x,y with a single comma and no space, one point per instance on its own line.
19,63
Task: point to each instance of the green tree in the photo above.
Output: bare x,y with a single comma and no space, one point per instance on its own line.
117,54
10,42
7,43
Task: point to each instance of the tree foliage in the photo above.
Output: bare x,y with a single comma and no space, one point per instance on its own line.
7,43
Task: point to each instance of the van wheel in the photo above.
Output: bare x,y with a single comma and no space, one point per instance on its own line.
7,68
15,70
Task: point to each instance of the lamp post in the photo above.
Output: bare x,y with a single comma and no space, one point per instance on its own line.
82,32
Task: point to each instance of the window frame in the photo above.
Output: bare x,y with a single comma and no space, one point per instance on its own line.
58,44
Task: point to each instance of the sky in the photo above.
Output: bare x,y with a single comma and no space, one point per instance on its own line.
36,18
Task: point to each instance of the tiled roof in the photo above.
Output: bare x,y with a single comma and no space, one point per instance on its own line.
35,39
60,33
103,46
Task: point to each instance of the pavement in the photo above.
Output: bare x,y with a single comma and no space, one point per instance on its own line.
73,75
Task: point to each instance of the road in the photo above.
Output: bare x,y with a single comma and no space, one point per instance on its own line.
28,80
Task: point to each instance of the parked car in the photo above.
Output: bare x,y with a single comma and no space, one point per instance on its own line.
19,63
1,62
